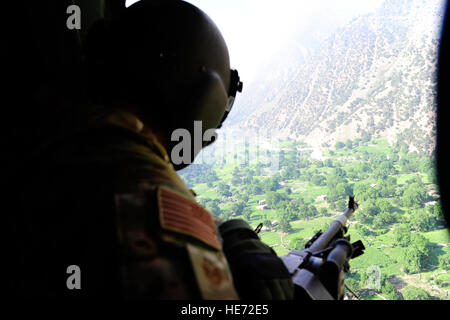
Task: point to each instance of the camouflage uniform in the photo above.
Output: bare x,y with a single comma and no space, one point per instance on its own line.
106,198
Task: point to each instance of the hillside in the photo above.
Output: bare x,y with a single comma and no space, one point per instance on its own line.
374,76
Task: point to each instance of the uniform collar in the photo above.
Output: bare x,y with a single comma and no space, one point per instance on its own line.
128,121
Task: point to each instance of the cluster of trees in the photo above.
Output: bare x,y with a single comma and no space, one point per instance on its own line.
378,213
298,244
376,210
212,205
387,289
350,144
378,200
289,210
338,189
383,188
357,281
423,220
223,189
416,247
415,293
199,173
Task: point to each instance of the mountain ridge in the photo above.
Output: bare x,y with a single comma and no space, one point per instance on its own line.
376,75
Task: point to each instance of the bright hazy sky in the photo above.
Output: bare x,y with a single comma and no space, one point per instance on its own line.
255,29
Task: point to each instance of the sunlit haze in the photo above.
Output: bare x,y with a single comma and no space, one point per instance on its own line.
255,29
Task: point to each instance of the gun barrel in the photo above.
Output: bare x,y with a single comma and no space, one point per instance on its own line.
324,240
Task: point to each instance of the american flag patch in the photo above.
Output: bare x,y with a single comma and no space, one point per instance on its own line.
180,214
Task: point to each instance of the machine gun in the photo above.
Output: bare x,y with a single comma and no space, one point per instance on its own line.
318,270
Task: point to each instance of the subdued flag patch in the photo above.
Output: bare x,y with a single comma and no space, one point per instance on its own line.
180,214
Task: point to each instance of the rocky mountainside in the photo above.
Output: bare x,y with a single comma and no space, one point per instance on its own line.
376,75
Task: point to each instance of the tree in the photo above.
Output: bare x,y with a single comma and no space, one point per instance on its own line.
363,217
353,285
225,215
339,172
270,184
284,224
213,207
366,136
364,192
437,210
413,260
383,205
383,220
267,223
337,191
298,244
307,211
384,169
352,174
402,235
362,230
244,197
349,144
414,195
422,221
389,291
370,207
255,189
394,157
341,205
416,179
318,180
238,207
360,190
426,164
444,261
323,211
390,186
339,145
432,175
247,179
223,189
273,199
328,163
416,253
291,209
236,180
362,167
414,293
246,213
421,243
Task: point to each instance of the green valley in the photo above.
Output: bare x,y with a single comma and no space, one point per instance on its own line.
399,220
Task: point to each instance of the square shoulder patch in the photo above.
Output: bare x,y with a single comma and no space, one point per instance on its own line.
182,215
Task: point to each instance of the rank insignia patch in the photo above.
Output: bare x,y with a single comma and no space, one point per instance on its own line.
213,274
